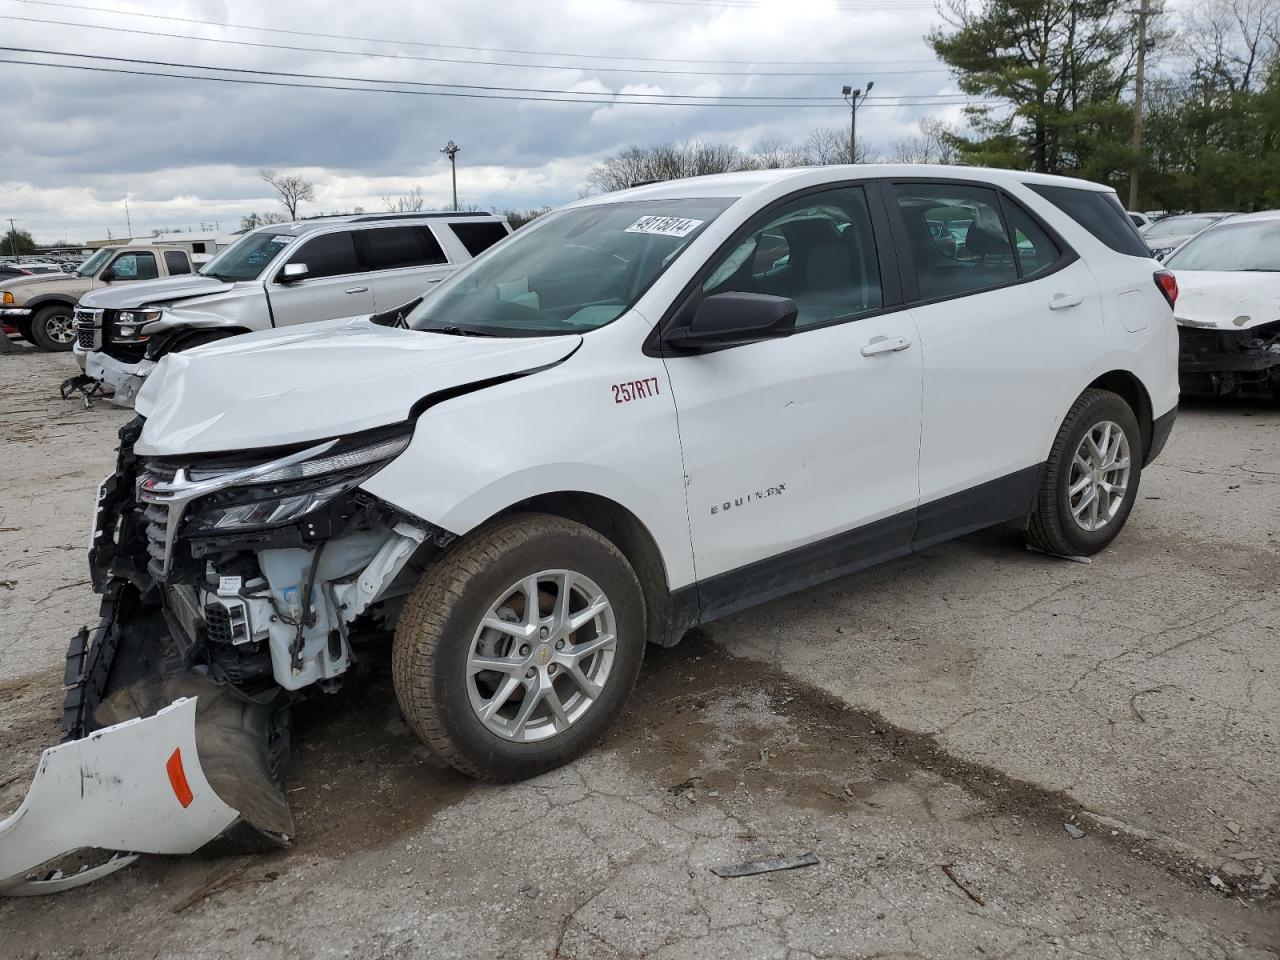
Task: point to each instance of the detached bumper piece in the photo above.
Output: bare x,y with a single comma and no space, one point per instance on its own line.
135,787
1220,363
83,384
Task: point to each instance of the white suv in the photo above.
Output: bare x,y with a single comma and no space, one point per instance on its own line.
645,411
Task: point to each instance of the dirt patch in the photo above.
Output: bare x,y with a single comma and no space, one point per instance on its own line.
30,717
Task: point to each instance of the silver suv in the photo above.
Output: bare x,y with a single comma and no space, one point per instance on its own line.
274,276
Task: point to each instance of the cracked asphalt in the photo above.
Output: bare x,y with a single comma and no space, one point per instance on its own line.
953,710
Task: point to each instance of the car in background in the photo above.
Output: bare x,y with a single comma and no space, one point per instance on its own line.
41,306
1140,220
1228,309
1165,236
278,275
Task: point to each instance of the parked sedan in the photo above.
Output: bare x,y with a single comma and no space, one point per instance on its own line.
1228,308
1165,236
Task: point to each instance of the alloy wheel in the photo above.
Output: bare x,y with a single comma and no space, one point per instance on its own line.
60,328
1099,476
541,656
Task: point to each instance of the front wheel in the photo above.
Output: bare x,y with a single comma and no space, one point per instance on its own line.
519,647
53,328
1091,479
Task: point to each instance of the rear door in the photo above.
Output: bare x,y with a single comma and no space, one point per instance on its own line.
1009,319
336,284
403,261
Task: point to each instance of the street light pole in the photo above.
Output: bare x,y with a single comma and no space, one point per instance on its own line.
451,150
852,95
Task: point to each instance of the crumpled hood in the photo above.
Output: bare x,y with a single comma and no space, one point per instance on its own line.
1234,300
296,384
127,295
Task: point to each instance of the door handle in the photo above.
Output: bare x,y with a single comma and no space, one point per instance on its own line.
1061,301
434,279
356,290
880,345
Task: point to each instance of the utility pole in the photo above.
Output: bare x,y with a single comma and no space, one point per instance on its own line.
128,220
1139,78
851,95
451,150
13,240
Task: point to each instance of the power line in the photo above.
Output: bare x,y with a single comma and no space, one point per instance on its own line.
458,46
431,93
413,83
456,60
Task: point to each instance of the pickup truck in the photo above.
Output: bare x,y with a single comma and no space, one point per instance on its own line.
275,276
41,307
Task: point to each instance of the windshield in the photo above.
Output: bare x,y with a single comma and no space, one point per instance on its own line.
247,257
1232,246
91,266
571,272
1180,226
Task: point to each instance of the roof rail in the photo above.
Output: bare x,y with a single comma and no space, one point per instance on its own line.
365,217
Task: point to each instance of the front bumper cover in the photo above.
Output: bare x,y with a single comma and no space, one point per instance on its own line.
134,787
125,379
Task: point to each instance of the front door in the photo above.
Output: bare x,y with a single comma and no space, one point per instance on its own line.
801,453
336,284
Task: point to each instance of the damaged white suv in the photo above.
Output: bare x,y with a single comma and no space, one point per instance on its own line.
645,411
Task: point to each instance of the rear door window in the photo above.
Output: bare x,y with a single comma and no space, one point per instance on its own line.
329,255
391,248
1035,249
1100,213
176,262
957,236
479,236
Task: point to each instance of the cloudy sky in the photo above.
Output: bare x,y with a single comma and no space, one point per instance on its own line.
77,144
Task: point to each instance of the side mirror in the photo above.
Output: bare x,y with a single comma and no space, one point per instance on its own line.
107,275
293,272
732,318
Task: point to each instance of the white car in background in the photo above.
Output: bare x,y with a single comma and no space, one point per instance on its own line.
645,411
1166,235
1228,308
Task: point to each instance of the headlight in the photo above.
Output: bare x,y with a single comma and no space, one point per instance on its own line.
138,316
270,497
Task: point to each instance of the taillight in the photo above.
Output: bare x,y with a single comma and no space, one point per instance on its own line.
1168,285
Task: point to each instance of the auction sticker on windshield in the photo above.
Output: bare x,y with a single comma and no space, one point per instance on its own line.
665,226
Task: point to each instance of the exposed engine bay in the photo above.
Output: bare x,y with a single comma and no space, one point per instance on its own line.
233,584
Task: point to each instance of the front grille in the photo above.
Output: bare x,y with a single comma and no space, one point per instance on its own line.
157,518
88,328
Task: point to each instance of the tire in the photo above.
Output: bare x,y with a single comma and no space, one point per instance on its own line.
1073,524
442,696
53,328
24,330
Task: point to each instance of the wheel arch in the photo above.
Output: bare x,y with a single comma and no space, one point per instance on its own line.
1127,385
50,300
625,531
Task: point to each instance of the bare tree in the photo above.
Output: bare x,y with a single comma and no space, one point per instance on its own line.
411,202
668,161
249,221
776,155
1232,43
935,143
291,188
827,145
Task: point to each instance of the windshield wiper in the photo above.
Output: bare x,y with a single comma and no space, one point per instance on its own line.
455,331
219,276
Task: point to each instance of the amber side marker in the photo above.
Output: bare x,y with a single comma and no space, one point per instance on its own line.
178,778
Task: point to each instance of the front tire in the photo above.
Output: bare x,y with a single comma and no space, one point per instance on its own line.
1091,479
53,328
518,648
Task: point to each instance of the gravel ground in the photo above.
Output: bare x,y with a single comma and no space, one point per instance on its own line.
953,710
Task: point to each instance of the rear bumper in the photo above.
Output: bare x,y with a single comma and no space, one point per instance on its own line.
1161,427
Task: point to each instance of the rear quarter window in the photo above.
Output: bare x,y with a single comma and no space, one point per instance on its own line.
479,237
1100,213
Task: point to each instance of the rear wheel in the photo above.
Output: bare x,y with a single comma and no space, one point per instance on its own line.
518,648
1091,479
53,328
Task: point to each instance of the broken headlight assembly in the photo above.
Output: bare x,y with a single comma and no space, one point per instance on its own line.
283,493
